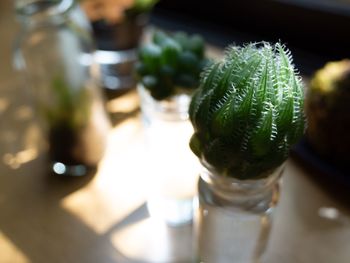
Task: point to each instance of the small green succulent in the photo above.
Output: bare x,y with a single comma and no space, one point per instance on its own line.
171,64
248,111
68,106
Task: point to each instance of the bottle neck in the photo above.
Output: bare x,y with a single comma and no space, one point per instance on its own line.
174,108
235,190
34,12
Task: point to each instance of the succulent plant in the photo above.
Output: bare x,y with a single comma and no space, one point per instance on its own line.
171,64
248,111
327,110
141,6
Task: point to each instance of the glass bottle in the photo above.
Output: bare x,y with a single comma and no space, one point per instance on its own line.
172,165
54,53
234,216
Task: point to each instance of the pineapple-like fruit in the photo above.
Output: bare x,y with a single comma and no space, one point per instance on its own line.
248,111
328,112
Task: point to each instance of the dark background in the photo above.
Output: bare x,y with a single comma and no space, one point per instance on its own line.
315,31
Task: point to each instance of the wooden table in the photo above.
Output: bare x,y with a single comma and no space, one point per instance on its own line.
103,217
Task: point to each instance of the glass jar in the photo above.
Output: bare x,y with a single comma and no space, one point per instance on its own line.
54,53
173,168
116,54
234,216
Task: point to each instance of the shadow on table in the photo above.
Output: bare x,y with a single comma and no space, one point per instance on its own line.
141,238
40,228
307,220
333,181
34,221
119,117
123,107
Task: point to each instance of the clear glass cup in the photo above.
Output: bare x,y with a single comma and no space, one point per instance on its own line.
54,54
234,216
173,168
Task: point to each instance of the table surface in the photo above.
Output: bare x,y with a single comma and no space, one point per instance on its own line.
103,217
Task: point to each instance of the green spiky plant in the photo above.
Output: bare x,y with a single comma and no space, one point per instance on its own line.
171,64
248,111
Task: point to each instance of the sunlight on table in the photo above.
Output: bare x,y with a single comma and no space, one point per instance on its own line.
9,252
137,171
150,240
99,204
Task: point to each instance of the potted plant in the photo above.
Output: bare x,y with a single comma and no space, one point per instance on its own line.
117,28
75,143
117,24
246,115
168,71
62,84
327,105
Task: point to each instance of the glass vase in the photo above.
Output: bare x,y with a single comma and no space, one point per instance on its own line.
173,168
54,54
234,216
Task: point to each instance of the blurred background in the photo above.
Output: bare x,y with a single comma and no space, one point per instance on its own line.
103,217
314,30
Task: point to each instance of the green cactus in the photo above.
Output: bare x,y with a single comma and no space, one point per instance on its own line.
171,64
248,111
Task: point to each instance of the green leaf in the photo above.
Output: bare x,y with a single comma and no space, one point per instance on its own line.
150,56
159,37
188,62
140,68
224,120
195,145
196,45
170,53
262,136
149,81
181,38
